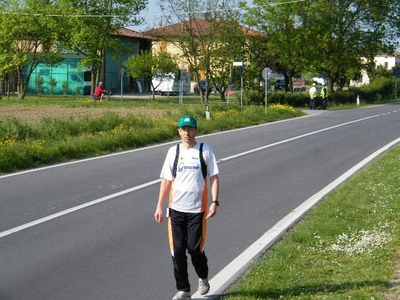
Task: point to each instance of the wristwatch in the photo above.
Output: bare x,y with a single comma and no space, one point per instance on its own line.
216,202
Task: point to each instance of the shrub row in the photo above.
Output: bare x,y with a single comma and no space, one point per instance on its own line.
381,89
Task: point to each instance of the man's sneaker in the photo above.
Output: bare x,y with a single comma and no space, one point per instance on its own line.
182,296
204,286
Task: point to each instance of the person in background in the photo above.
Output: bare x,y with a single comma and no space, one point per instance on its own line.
99,92
313,95
324,96
184,177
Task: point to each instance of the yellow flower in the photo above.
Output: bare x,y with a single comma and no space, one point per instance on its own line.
281,107
7,142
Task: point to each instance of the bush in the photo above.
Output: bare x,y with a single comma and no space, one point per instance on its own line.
381,89
255,97
345,97
277,97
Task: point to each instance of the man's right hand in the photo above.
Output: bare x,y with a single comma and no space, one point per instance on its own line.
158,215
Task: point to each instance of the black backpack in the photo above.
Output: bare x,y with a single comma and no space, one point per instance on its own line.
202,162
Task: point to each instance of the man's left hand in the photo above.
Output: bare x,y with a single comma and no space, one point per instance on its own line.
212,211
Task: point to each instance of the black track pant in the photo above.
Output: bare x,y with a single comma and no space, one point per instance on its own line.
187,232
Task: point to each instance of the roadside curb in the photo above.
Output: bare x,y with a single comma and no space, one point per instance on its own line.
233,271
314,111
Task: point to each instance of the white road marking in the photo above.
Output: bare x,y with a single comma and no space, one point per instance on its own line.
226,277
293,138
75,208
109,197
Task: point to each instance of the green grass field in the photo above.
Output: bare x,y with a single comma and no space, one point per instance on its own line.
345,248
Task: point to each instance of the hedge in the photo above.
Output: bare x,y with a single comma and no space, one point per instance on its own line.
381,89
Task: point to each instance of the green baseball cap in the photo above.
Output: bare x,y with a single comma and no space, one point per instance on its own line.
187,121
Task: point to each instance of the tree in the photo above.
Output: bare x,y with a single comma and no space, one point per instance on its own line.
194,27
27,39
39,84
328,37
93,28
352,30
285,49
232,44
147,65
53,84
5,70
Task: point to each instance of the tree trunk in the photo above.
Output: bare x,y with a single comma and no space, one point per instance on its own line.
20,85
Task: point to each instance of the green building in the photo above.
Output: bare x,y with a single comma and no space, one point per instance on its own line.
69,78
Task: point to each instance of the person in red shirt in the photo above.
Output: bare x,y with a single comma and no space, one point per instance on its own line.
99,92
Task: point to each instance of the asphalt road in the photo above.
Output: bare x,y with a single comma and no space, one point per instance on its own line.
85,230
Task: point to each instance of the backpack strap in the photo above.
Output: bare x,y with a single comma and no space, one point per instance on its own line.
202,162
175,162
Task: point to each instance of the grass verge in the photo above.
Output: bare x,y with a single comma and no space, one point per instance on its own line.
345,248
25,144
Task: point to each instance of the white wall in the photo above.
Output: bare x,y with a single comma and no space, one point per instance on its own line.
382,60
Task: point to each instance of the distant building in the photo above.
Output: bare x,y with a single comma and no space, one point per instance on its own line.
72,79
166,38
386,60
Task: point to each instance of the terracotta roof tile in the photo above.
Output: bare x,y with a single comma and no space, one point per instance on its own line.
130,33
197,26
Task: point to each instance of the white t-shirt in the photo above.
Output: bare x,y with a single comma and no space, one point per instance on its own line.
189,191
313,92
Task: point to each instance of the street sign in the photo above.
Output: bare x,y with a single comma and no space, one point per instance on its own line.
267,73
237,63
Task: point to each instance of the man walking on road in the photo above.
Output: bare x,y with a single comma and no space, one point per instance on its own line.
184,175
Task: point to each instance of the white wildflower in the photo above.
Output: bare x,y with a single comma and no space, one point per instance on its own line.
358,242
